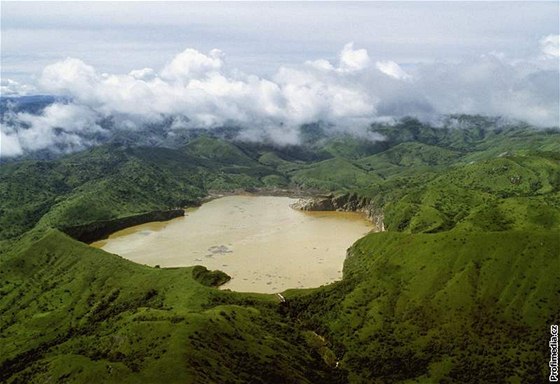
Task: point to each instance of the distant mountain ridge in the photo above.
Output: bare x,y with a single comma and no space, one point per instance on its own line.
453,131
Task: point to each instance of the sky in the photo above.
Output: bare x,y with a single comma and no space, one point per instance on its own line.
276,65
260,37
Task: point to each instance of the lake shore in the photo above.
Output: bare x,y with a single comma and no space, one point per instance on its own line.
260,241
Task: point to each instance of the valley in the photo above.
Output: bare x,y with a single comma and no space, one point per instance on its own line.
458,288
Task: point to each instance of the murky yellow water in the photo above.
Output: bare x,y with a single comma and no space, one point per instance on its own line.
262,243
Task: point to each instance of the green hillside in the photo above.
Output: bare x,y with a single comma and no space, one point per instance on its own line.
331,175
461,288
450,307
72,312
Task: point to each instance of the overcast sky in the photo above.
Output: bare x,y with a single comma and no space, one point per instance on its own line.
270,67
259,37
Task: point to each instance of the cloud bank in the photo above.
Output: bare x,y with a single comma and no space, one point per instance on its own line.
9,87
199,90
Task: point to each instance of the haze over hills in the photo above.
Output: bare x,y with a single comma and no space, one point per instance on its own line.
166,133
457,287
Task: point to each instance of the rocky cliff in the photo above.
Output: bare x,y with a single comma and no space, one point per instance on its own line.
350,202
101,229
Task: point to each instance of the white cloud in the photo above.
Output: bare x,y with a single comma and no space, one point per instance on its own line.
491,85
200,90
60,127
9,145
9,87
353,59
70,76
198,86
550,45
390,68
192,64
320,64
349,60
142,74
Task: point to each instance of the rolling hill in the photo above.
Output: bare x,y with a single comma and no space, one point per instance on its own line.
459,288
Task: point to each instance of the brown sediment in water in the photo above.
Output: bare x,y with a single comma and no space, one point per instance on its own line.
262,243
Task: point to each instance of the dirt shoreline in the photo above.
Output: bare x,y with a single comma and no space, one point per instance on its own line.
295,193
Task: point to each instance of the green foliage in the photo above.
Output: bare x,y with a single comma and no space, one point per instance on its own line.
218,151
459,289
412,154
78,314
493,195
411,305
209,278
353,148
331,175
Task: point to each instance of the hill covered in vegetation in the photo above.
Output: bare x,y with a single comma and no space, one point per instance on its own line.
459,288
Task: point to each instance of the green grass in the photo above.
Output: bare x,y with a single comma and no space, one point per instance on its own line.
477,303
460,289
411,154
332,175
75,312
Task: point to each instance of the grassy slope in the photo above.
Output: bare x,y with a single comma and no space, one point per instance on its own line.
71,311
330,175
491,195
106,182
456,290
460,306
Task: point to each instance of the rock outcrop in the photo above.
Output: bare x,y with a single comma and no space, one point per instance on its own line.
350,202
101,229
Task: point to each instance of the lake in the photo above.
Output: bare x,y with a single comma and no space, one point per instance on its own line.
262,243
